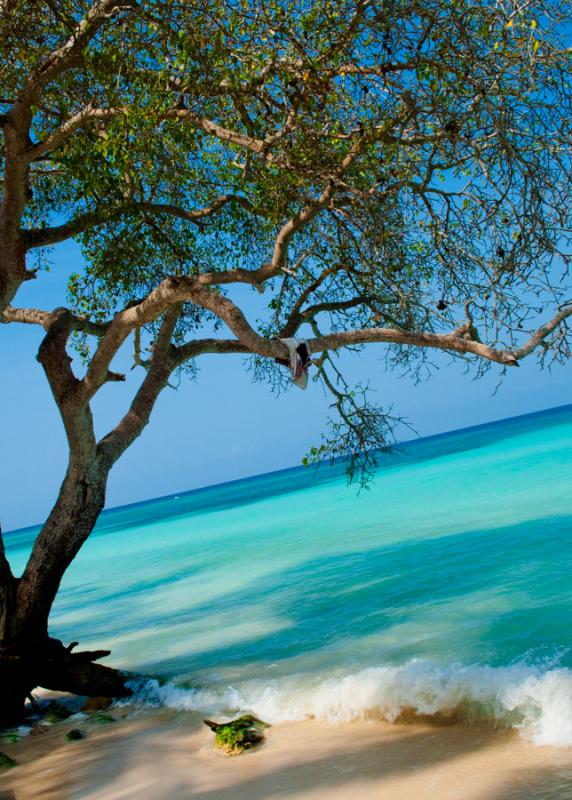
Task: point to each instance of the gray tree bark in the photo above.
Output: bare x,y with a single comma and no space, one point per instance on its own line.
29,657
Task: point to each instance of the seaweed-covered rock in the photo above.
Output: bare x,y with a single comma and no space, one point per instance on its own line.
56,712
239,734
6,762
74,735
101,718
10,736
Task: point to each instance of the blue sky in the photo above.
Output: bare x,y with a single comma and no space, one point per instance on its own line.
222,426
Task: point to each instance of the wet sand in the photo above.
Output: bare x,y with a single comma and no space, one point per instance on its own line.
171,756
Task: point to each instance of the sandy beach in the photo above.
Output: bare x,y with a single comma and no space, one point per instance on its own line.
169,755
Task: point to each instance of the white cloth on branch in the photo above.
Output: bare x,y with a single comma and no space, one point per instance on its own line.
299,361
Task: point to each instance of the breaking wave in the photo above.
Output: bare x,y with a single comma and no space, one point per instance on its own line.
535,700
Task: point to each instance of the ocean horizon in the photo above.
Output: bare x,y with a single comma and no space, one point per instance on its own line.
443,588
313,470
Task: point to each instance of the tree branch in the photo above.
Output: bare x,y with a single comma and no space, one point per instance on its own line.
112,445
77,121
16,127
71,52
90,114
545,330
441,341
218,131
191,289
35,316
198,347
166,358
340,305
41,237
303,217
300,220
77,418
295,317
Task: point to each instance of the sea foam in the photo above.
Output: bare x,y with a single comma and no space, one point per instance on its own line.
536,701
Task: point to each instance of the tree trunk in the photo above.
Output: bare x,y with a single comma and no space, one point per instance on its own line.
28,656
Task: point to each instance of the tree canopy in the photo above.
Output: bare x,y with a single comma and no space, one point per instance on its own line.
367,166
394,173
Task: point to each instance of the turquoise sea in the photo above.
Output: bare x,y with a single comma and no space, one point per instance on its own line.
445,586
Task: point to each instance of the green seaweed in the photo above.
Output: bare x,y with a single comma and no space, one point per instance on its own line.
74,735
6,762
101,718
10,736
56,713
239,734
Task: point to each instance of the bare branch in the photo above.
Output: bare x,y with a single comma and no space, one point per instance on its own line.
130,426
336,305
545,330
198,347
115,377
444,341
295,316
35,316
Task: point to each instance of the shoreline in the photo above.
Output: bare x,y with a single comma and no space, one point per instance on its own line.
171,755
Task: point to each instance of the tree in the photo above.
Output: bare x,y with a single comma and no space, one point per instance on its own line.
393,173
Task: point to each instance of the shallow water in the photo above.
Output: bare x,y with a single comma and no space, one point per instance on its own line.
446,585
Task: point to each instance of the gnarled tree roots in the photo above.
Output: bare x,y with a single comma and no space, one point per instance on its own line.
51,665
